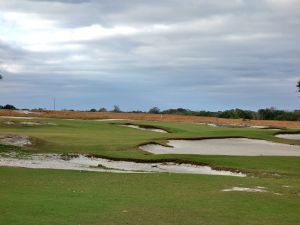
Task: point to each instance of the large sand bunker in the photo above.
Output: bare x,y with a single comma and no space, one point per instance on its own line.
226,146
81,162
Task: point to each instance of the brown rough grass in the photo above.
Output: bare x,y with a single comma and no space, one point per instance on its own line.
152,117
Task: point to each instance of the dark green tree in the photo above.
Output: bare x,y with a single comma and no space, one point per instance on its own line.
102,109
154,110
117,109
10,107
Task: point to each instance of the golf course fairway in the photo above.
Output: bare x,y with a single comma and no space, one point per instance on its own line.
269,194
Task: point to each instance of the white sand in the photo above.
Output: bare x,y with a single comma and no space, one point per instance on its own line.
54,161
27,112
228,146
146,129
289,136
27,123
245,189
18,117
111,120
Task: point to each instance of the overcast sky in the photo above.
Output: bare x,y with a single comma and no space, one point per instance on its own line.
197,54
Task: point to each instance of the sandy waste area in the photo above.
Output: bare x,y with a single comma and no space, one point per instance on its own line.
226,146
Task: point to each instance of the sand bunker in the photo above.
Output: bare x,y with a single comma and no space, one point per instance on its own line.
81,162
36,123
260,127
243,189
146,128
224,125
238,126
228,146
27,112
111,119
18,117
26,123
14,140
8,123
289,136
212,124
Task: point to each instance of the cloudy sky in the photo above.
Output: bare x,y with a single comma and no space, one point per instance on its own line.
197,54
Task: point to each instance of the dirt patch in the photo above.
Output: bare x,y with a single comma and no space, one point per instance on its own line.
15,140
224,146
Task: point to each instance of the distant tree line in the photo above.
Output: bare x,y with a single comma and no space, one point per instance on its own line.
262,114
116,109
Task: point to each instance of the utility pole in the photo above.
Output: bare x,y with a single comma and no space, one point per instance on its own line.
54,104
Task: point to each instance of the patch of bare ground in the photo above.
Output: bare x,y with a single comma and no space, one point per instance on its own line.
15,140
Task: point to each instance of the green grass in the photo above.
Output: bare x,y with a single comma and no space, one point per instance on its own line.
30,196
110,140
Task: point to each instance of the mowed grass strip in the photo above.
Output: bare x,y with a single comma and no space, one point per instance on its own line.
31,196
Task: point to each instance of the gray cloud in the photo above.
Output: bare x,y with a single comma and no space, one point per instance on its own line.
196,54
